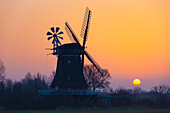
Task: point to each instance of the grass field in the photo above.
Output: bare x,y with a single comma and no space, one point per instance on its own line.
95,111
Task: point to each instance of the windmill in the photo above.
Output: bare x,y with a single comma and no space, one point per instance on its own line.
70,64
69,81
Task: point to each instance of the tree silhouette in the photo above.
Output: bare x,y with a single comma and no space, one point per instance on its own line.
2,83
50,78
2,71
135,92
161,94
94,79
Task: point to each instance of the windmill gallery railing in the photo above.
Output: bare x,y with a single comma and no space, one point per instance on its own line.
69,92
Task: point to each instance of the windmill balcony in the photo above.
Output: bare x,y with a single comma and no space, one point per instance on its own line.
69,92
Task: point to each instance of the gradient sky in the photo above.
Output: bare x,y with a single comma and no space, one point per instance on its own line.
130,38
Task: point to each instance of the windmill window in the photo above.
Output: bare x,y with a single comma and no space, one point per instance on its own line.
56,87
68,78
69,61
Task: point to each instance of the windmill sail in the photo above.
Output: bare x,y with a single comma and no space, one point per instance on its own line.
94,62
85,29
71,34
86,24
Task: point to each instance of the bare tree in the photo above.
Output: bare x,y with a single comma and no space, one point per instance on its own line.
136,91
2,71
95,79
27,82
39,81
122,92
51,77
2,83
161,94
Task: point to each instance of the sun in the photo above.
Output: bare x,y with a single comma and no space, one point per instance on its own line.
136,82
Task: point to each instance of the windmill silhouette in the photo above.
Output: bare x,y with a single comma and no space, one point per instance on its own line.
69,82
70,64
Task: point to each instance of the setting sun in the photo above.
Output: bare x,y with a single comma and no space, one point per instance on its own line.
136,82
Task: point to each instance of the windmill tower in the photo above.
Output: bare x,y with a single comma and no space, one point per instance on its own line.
70,64
69,84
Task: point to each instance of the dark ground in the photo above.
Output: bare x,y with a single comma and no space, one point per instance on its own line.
94,111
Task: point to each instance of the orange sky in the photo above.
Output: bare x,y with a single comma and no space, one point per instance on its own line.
131,38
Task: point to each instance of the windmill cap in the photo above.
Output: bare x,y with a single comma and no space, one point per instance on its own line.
69,49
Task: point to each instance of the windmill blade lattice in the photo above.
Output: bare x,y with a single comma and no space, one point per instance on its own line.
94,62
85,29
71,34
86,24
